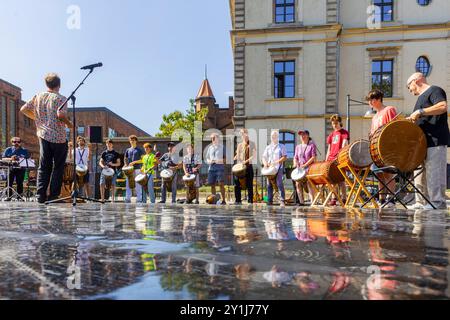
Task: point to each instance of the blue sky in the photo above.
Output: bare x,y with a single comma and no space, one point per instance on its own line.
154,52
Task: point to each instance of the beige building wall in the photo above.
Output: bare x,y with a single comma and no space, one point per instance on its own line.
258,41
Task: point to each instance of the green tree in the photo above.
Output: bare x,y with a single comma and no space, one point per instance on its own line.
178,120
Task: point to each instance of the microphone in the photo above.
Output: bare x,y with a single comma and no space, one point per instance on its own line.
93,66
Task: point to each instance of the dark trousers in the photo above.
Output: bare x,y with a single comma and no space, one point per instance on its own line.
18,175
237,186
51,169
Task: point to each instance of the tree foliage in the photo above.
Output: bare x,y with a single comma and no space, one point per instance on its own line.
178,120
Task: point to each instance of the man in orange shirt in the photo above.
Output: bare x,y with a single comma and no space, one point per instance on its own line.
385,114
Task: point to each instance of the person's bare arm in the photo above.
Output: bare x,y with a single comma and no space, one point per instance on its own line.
436,110
28,109
62,116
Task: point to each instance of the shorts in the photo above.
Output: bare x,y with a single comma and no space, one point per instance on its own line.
216,176
86,178
103,180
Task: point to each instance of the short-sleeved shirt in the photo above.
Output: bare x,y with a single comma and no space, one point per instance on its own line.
215,153
110,157
18,152
148,163
336,141
134,154
167,161
304,153
82,156
434,127
383,117
45,107
275,152
191,162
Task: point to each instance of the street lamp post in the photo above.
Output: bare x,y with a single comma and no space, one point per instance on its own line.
353,103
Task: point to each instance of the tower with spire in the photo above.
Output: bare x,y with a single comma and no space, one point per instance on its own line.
217,118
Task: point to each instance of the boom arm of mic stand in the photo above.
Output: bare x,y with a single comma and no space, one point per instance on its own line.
75,91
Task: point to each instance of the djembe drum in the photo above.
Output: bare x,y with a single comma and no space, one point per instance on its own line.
299,175
189,181
142,180
108,173
356,155
129,173
400,144
82,171
167,177
271,174
239,171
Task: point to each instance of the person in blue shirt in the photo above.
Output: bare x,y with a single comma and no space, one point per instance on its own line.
16,153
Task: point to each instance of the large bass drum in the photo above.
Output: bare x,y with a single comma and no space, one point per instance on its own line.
401,144
356,155
321,173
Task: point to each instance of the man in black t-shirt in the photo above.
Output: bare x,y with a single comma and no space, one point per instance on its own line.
109,159
431,114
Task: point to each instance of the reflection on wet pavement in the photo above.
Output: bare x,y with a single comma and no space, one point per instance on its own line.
258,253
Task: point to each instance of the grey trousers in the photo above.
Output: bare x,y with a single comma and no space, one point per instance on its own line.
433,182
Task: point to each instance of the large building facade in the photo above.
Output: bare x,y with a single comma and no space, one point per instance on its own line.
297,60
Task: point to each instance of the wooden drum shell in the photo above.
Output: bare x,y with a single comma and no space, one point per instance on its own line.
321,173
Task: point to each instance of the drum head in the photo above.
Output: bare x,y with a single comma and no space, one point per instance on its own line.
128,169
359,154
82,168
189,177
167,174
269,172
108,172
141,177
238,168
298,174
402,144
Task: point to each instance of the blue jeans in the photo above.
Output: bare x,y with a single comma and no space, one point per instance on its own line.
150,190
280,187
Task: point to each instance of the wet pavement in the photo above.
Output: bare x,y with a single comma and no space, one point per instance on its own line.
181,252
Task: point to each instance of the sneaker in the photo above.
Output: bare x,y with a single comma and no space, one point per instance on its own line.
162,202
196,202
438,207
237,204
223,203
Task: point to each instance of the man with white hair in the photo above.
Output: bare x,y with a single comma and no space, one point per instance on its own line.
431,114
275,156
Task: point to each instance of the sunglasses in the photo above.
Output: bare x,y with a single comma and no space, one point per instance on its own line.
17,141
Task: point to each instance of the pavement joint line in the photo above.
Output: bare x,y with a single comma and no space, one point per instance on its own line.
5,255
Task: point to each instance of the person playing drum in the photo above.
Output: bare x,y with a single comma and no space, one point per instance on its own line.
133,155
245,154
385,114
109,159
82,158
275,156
215,159
149,163
305,155
167,162
337,140
191,165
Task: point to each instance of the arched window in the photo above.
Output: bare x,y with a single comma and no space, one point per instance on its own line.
423,65
423,2
288,139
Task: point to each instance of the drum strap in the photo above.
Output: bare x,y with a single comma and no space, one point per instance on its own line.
81,156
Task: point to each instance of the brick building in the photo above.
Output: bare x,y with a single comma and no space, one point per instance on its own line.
12,122
112,124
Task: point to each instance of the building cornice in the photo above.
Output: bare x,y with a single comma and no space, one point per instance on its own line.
286,30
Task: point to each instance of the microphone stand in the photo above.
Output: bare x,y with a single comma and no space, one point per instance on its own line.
75,193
